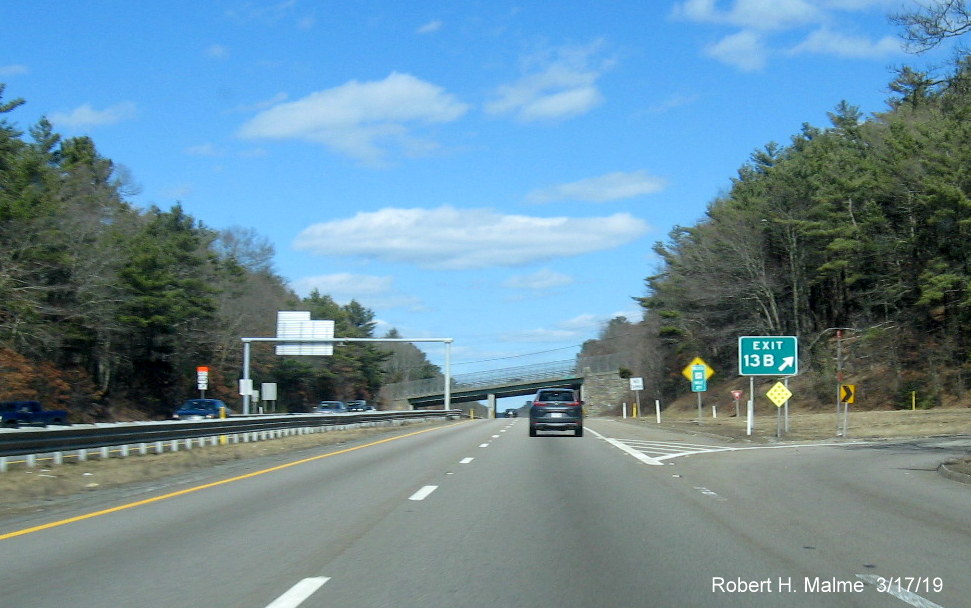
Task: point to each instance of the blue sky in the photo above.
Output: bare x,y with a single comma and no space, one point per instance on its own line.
492,172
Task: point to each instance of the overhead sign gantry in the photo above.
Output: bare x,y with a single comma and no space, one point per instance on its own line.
298,334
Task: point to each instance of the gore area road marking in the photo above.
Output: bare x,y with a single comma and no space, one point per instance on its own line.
466,460
901,594
299,592
214,484
625,448
423,493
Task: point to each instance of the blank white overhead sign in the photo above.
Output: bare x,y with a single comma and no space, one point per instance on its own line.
297,324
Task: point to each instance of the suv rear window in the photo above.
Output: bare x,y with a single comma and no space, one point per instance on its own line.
563,395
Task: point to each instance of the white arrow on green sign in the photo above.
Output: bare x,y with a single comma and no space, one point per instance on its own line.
768,356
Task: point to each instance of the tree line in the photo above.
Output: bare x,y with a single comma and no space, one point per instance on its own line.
861,229
107,309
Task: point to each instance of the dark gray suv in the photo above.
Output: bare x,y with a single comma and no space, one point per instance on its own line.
556,409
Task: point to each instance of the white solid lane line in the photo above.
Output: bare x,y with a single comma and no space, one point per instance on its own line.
423,493
299,592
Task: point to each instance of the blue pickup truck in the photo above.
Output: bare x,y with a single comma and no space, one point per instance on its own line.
16,413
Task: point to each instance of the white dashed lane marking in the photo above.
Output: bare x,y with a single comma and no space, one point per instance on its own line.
299,592
423,493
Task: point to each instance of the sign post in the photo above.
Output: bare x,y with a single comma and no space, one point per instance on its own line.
736,395
637,385
847,396
202,380
698,372
766,356
779,394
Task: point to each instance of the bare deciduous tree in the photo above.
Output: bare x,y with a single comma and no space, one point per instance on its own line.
933,22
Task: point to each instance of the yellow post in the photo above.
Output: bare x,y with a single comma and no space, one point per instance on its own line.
913,401
222,414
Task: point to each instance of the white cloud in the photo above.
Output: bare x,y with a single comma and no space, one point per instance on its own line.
751,14
87,116
558,88
455,239
577,328
539,335
856,5
344,286
833,43
13,70
749,48
431,26
372,291
601,189
265,13
263,104
178,191
743,50
360,119
206,149
676,100
307,22
217,51
539,280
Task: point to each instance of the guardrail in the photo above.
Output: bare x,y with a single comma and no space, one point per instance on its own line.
157,437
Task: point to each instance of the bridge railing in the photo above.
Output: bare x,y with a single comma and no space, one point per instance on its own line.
551,371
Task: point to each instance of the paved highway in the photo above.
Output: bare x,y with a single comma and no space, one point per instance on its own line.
478,514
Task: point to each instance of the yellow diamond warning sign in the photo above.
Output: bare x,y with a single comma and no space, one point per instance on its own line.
686,372
778,394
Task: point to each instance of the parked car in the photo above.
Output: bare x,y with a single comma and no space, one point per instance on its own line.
357,405
15,413
201,409
330,407
556,409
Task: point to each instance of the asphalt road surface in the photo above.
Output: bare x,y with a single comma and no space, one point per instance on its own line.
479,514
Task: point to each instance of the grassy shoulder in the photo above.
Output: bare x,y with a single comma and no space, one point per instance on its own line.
820,426
24,490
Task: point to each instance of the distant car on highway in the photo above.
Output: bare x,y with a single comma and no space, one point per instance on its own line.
201,409
357,405
512,413
556,409
330,407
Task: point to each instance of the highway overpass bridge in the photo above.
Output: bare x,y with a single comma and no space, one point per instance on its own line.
596,377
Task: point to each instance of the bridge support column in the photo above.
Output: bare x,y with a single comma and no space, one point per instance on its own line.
491,402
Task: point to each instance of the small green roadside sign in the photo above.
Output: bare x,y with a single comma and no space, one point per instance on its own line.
768,356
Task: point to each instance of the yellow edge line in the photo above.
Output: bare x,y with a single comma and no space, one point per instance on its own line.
139,503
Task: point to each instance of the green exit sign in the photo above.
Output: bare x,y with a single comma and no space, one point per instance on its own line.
768,356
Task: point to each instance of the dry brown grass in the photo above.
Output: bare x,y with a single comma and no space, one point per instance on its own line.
819,425
815,426
23,489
